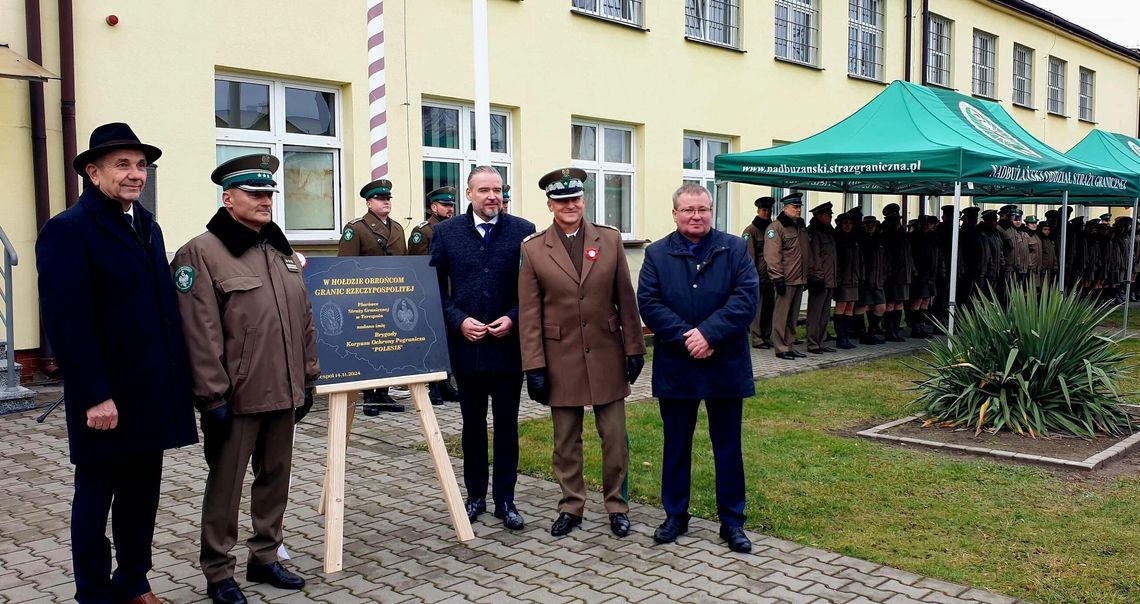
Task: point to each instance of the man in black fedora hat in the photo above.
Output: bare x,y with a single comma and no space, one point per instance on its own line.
107,304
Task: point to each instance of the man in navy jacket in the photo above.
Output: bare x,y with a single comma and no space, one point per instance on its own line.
697,292
476,256
107,302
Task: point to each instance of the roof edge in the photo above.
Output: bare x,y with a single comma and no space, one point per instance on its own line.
1068,26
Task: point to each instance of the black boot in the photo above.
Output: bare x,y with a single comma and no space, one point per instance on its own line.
856,327
891,323
914,321
874,329
868,335
433,394
841,339
385,402
447,391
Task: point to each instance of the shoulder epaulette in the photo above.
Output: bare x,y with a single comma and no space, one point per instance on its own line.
355,220
606,226
533,235
422,224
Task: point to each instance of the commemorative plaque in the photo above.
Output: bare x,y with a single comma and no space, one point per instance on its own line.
378,323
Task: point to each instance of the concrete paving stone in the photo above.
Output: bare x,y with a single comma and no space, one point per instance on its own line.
905,589
830,594
784,594
985,596
871,593
898,575
632,577
828,581
628,592
902,599
742,595
863,566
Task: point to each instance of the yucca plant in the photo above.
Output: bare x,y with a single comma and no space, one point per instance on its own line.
1037,365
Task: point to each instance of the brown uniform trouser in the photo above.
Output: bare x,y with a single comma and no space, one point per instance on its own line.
267,440
610,422
818,314
784,317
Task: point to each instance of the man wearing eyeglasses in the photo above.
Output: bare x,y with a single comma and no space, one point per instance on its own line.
697,292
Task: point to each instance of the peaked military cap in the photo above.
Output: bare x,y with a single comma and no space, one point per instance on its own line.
856,212
793,199
377,188
892,210
1030,220
1052,215
506,194
931,219
1077,221
870,219
1106,217
443,195
1016,211
971,211
947,208
1006,209
110,137
563,183
248,173
823,208
765,202
913,222
845,217
989,214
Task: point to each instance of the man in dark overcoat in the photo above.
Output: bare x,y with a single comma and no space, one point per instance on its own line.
108,308
476,257
697,292
581,343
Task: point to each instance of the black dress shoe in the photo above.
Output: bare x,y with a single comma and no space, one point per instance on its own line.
475,507
619,524
737,540
815,350
673,527
797,341
797,354
510,516
371,410
787,356
448,392
564,524
275,575
433,395
225,591
826,349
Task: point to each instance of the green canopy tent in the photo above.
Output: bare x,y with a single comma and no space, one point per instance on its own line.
911,139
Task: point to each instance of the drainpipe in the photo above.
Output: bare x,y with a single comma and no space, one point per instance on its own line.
925,37
67,98
909,39
39,146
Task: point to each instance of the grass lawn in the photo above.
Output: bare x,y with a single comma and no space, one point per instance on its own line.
1020,531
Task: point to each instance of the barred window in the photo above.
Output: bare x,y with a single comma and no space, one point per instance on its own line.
624,11
938,51
985,64
1057,85
1022,76
1087,94
716,21
797,31
865,39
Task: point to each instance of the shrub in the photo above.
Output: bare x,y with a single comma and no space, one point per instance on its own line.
1037,365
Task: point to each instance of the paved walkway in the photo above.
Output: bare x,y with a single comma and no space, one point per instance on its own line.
399,547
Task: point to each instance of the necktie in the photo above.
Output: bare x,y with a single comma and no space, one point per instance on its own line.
129,219
486,226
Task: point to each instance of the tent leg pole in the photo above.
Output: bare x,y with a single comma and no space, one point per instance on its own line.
1064,239
952,295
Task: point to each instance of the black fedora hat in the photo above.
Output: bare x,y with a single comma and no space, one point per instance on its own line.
109,137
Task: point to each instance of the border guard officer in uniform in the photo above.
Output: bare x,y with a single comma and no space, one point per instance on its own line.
761,327
506,196
375,234
253,360
581,342
786,252
442,203
821,278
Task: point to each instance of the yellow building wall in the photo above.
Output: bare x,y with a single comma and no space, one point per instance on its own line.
155,69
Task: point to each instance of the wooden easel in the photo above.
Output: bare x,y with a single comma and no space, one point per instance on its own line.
341,412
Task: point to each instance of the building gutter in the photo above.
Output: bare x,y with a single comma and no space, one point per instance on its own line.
909,40
1069,27
67,98
32,26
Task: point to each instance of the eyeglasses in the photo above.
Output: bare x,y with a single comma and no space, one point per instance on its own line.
692,211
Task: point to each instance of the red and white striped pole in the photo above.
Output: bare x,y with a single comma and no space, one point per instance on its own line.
377,94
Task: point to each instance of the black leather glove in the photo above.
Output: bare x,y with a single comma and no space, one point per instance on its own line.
538,385
781,289
300,412
816,284
634,363
216,422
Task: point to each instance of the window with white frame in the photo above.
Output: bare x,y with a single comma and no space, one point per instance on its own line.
605,152
797,31
1057,85
865,39
1022,76
716,21
698,152
449,146
299,123
863,201
985,64
1087,94
624,11
938,51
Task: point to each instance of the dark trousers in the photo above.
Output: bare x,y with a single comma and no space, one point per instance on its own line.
679,419
266,439
819,311
762,324
126,488
503,389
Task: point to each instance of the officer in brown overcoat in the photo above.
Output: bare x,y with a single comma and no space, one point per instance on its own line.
786,252
821,277
253,360
581,342
442,202
376,234
761,328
